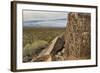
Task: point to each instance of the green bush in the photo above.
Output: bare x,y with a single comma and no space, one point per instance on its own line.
34,48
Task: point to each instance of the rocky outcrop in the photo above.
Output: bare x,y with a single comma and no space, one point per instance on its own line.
55,46
77,36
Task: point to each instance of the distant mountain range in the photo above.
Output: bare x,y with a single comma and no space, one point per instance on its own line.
46,23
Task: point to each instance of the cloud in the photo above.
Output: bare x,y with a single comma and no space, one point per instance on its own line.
44,18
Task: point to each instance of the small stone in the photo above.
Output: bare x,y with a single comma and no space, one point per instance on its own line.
59,53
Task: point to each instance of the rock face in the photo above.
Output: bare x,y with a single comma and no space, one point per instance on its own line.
58,46
77,36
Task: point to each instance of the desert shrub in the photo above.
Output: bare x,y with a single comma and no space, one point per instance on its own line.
34,48
47,34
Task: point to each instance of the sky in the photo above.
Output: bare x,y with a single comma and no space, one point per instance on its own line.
44,18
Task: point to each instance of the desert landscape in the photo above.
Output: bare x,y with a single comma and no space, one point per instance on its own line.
71,42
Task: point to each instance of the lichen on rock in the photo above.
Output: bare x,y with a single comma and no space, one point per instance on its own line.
77,35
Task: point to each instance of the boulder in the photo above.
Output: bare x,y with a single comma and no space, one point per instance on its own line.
56,45
59,44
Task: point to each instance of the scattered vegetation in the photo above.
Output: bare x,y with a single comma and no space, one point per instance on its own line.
36,39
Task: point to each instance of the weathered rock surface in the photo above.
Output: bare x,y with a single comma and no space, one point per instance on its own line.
77,35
